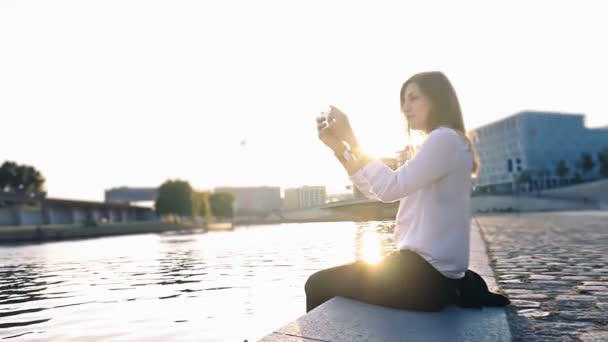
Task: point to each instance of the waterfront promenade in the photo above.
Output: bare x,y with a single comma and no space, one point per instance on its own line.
554,268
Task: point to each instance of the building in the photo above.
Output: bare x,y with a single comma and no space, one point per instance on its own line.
254,201
129,195
534,142
304,197
17,210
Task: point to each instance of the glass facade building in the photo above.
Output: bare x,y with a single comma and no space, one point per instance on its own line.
534,142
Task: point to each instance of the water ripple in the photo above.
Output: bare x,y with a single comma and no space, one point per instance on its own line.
21,324
18,335
132,287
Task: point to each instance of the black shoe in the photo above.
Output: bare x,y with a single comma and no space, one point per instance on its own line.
495,299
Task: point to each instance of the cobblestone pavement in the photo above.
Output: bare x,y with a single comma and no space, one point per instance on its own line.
554,268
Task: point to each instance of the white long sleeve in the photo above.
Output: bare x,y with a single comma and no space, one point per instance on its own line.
434,190
433,161
364,187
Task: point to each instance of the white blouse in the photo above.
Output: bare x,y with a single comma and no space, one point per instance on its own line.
434,190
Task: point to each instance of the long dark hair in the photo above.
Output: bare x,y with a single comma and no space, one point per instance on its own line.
445,107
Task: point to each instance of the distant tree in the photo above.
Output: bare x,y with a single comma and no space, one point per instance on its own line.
201,204
602,158
21,179
561,169
222,205
585,163
174,198
524,178
8,172
543,173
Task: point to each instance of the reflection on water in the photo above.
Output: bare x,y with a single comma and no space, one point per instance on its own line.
220,286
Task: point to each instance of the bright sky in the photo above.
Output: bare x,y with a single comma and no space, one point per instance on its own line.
98,94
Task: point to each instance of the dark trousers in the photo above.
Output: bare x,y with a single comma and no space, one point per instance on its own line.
403,280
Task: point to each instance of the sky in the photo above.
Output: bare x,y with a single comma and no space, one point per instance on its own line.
101,94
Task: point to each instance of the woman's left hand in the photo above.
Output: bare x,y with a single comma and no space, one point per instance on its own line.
340,127
327,137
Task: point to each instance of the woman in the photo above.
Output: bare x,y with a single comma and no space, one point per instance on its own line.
430,268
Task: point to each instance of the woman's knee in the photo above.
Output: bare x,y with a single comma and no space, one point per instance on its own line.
336,278
312,282
321,279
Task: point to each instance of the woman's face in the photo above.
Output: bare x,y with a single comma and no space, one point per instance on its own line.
416,107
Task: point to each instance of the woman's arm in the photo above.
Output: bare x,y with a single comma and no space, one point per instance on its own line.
353,160
361,184
432,162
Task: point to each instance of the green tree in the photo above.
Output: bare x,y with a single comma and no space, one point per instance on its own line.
585,163
22,179
524,178
201,204
561,169
602,158
543,173
222,205
174,199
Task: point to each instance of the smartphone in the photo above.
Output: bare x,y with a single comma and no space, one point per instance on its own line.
325,113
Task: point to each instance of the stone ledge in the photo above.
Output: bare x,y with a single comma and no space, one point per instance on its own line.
346,320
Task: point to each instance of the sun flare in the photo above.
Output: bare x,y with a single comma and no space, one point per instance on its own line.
371,248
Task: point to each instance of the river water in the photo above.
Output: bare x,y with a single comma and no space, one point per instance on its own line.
215,286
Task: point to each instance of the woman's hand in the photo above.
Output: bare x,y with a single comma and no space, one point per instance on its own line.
340,127
335,131
327,136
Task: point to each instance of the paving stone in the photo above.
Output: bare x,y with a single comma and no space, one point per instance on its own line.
578,259
577,315
557,273
528,296
505,264
525,303
576,268
552,282
519,291
595,283
513,272
592,274
594,336
592,288
580,298
541,277
561,327
533,313
510,276
511,281
576,278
